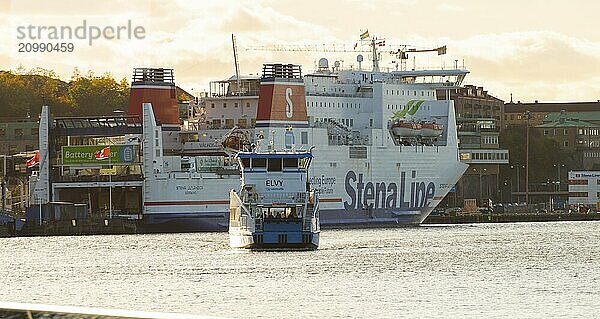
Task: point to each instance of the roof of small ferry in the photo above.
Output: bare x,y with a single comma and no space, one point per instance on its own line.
274,155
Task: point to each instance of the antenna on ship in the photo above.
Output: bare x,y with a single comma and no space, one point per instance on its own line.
374,42
237,65
359,59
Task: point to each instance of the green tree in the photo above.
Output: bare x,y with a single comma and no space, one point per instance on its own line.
24,92
544,153
102,95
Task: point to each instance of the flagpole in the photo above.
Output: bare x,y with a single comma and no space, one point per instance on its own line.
109,185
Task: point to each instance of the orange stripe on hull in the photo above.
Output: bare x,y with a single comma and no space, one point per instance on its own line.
195,202
330,200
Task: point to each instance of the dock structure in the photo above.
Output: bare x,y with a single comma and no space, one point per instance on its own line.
77,192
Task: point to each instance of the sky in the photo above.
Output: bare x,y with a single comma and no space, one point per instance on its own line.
535,50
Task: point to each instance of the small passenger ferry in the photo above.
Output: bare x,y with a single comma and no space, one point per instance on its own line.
274,209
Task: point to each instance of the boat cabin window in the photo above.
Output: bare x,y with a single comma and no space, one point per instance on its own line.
290,163
245,162
281,213
274,165
259,163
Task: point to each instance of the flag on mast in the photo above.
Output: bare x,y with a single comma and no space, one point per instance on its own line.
364,35
103,153
34,160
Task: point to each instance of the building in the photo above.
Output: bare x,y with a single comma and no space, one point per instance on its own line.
584,189
479,119
575,135
514,113
18,136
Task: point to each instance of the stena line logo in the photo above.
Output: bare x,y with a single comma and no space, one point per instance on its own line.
379,195
289,107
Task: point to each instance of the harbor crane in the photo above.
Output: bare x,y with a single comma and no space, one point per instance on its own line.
366,45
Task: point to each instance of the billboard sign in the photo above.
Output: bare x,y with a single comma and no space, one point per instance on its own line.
85,155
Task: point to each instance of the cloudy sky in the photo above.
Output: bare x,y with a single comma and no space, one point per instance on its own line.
537,50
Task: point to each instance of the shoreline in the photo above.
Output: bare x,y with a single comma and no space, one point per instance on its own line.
511,218
120,227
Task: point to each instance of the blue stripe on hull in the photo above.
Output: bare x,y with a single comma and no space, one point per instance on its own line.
332,218
219,221
186,222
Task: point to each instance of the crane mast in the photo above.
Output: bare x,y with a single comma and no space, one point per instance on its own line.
374,42
237,65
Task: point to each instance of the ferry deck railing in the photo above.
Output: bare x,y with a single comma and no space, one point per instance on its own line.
283,197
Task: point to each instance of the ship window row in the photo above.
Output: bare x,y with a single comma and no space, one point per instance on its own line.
402,92
347,122
399,107
489,156
212,105
274,164
230,123
334,105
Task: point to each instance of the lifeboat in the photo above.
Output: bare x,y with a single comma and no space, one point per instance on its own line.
406,129
429,129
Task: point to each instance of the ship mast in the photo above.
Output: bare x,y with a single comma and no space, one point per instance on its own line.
375,55
237,65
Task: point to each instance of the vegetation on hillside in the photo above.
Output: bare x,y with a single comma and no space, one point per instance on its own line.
24,92
544,156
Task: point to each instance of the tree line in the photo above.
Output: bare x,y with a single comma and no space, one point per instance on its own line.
23,92
544,156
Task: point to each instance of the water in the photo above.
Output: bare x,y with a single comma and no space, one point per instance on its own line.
483,270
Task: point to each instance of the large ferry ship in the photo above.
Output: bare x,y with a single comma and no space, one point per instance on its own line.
385,148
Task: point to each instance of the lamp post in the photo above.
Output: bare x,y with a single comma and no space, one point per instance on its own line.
487,184
558,166
517,167
510,189
109,185
480,185
527,116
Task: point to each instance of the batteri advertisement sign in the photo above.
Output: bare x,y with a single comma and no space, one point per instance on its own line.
86,155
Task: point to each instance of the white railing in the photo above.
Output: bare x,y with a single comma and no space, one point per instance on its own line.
295,197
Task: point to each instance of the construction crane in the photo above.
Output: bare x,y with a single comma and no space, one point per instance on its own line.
237,64
373,43
365,45
402,53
